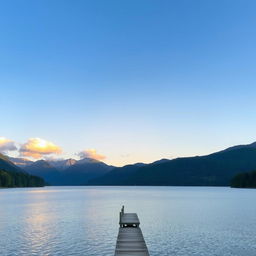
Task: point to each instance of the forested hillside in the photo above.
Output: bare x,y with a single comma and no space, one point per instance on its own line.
19,179
244,180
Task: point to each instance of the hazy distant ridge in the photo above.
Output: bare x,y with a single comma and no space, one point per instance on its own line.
65,172
216,169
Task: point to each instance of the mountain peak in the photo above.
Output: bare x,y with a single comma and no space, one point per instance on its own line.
63,163
41,163
87,160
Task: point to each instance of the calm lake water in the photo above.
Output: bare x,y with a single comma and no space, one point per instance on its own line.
65,221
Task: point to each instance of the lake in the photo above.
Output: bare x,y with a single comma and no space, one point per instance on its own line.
63,221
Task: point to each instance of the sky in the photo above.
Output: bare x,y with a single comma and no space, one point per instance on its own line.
126,81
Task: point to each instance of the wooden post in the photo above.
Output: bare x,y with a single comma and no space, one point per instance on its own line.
120,216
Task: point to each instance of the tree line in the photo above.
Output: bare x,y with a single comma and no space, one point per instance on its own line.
19,179
244,180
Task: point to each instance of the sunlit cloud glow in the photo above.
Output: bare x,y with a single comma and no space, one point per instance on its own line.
91,153
7,145
38,148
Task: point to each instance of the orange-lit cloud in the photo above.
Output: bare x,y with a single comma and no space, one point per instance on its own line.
91,153
7,145
37,148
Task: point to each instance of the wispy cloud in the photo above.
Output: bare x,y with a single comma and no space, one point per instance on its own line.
6,145
91,153
37,148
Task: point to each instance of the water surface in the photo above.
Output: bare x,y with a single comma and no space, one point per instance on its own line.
63,221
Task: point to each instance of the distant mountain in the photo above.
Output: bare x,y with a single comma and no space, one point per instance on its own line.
45,170
68,171
62,164
84,170
13,176
118,175
87,160
216,169
21,162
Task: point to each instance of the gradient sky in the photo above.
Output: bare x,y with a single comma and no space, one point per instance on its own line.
137,80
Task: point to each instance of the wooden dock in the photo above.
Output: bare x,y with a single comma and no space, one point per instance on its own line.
130,240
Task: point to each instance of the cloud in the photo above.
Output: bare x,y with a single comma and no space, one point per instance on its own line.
91,153
37,148
7,145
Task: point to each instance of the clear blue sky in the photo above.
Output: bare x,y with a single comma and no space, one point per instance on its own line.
137,80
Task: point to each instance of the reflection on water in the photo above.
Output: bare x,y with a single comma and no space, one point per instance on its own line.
57,221
39,224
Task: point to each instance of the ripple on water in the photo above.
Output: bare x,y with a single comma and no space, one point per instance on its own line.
78,221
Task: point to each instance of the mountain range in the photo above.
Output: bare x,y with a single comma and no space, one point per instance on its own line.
215,169
64,172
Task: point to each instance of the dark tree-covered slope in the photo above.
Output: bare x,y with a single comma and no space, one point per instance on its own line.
18,179
117,176
244,180
13,176
212,170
